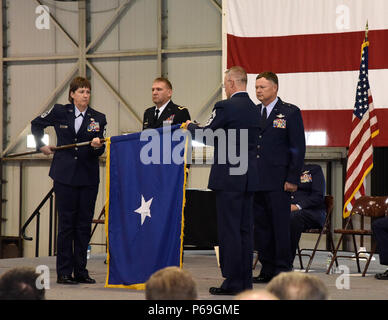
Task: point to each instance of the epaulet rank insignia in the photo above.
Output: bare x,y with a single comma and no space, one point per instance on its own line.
181,108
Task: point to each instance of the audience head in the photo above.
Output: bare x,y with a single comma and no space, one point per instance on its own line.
298,286
256,294
20,284
171,283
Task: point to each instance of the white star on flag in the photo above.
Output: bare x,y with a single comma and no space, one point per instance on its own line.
144,209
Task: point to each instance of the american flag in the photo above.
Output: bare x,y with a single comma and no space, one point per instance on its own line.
364,129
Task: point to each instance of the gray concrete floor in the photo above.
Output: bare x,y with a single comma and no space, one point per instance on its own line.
203,266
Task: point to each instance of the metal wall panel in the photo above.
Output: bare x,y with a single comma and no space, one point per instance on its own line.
29,87
136,76
23,36
66,13
36,184
194,78
11,206
137,31
192,23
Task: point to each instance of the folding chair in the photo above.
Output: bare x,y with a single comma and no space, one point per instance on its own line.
326,229
96,222
366,207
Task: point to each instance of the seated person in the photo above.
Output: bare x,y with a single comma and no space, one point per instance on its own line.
380,232
307,204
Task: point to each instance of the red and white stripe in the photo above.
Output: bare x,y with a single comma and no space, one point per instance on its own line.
314,47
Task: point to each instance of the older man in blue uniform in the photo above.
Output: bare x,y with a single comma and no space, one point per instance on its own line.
281,152
234,188
307,204
76,176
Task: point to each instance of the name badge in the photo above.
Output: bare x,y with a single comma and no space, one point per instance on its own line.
63,126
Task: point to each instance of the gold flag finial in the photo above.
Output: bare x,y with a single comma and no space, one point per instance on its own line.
366,31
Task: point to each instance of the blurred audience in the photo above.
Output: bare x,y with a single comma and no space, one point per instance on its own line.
171,283
20,284
298,286
256,294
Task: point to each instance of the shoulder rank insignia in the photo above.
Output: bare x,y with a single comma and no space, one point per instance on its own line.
44,115
213,115
306,177
181,108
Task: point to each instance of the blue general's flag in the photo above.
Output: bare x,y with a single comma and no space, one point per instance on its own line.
145,201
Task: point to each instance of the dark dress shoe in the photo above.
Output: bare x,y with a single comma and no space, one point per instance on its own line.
221,292
382,276
66,280
262,279
86,279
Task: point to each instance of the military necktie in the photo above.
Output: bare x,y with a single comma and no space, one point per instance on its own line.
263,118
156,115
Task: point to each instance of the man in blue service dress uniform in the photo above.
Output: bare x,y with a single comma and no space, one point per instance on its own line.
76,176
307,204
234,190
281,152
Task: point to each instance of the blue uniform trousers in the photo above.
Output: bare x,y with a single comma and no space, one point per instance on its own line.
75,213
302,220
235,234
272,231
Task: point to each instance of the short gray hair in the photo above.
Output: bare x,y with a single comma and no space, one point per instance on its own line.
298,286
238,74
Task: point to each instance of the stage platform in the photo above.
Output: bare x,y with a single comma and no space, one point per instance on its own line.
203,266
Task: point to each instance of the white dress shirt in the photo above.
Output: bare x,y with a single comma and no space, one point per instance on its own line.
78,118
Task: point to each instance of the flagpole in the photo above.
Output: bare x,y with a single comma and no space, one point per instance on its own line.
361,247
66,146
